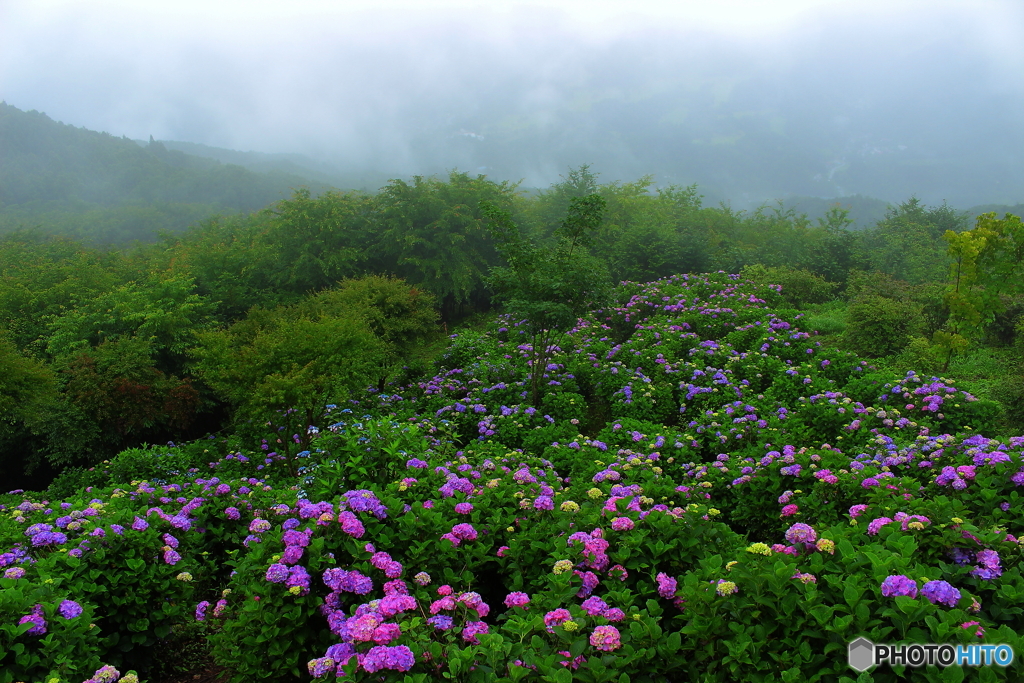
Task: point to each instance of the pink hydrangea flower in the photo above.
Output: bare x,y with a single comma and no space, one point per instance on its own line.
606,638
622,524
472,630
555,617
517,599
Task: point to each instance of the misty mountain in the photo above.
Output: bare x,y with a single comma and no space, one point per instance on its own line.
99,187
93,185
865,212
753,102
298,165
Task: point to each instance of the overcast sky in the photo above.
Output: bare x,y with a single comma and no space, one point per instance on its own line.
838,91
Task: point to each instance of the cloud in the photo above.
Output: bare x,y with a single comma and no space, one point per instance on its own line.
680,89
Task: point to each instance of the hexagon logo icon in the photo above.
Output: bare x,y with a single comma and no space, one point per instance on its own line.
861,654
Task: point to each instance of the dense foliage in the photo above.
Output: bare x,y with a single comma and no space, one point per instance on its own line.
116,339
705,492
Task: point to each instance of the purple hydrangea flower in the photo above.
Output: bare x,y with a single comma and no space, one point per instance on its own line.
442,622
801,533
594,606
398,658
37,621
320,666
898,584
69,609
875,525
941,592
667,585
277,573
181,522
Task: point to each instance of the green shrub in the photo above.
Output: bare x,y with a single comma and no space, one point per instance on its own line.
799,286
877,326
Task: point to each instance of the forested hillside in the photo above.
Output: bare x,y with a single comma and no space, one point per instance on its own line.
103,349
94,186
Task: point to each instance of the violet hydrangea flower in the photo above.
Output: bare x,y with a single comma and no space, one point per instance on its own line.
398,658
441,622
801,533
941,592
667,585
898,584
69,609
594,606
37,621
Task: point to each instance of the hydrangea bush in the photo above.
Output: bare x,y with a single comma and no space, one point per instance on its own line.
703,493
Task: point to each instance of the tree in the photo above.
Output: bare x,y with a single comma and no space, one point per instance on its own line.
551,205
987,262
27,388
113,397
907,243
164,311
548,289
403,318
318,241
290,361
431,234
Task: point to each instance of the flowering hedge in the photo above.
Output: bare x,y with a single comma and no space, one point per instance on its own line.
704,492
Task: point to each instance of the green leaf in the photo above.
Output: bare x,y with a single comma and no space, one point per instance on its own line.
952,674
562,676
822,613
851,594
907,604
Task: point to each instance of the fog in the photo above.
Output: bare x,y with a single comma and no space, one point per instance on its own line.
751,100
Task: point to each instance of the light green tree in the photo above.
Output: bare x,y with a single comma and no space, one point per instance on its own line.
987,262
285,364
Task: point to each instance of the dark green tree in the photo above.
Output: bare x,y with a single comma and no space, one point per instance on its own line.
431,234
27,390
549,289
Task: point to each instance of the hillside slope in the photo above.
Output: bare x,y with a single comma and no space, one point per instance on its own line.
95,186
